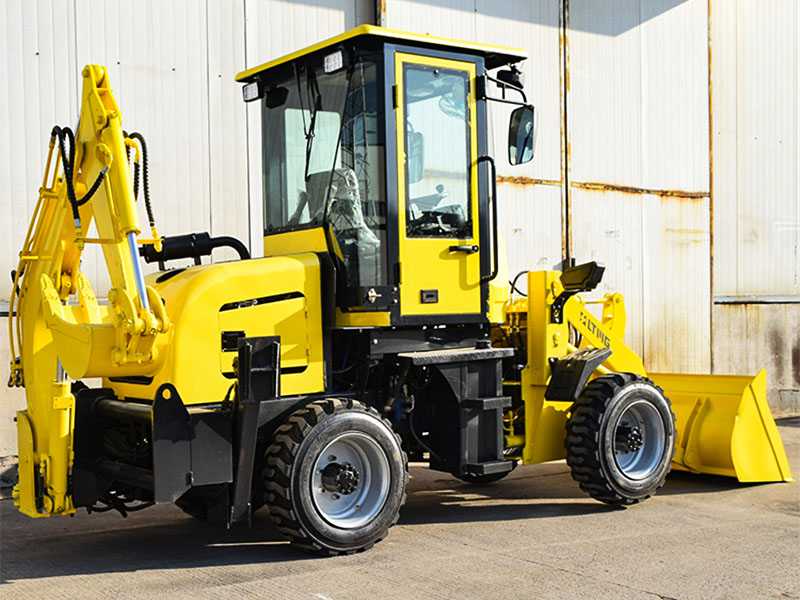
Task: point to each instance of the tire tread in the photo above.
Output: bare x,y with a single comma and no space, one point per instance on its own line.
582,440
277,473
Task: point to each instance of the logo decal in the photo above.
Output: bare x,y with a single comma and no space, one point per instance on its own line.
588,323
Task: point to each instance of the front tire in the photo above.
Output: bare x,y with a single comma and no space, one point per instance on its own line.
620,439
335,477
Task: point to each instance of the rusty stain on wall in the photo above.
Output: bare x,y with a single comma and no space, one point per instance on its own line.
523,180
382,21
566,196
595,186
711,186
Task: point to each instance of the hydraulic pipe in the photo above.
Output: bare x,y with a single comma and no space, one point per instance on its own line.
116,410
118,471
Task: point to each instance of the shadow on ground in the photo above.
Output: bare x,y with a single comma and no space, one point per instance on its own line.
163,538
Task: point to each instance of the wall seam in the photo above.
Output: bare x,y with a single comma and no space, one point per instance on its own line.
566,243
208,130
710,193
247,140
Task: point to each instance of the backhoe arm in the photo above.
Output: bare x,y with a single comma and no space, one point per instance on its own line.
56,323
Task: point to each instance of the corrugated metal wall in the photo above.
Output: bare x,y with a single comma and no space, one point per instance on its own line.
622,165
636,156
172,67
638,161
530,214
756,183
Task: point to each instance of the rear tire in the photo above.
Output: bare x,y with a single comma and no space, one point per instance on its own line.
335,477
620,439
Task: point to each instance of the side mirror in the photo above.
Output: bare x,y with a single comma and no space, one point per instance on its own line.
521,135
416,156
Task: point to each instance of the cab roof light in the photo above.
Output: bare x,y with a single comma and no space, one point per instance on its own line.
252,91
334,62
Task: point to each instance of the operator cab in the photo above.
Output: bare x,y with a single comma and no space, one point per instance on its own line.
375,157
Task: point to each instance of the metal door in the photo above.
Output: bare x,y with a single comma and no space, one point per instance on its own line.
437,186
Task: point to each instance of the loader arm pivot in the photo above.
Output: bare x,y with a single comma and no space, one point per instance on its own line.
56,324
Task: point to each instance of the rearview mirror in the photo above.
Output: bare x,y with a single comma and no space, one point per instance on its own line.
521,135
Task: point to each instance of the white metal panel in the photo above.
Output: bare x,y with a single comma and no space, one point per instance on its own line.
655,250
227,120
529,212
756,148
676,284
157,55
638,96
533,26
725,172
768,206
607,228
274,28
529,219
37,51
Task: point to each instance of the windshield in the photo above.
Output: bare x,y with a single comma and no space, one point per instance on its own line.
323,162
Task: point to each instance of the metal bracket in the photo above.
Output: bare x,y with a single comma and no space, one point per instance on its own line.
259,374
570,373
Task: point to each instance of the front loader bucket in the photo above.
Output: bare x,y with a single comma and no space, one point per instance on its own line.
724,426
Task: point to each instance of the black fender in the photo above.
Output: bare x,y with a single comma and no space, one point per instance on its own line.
570,373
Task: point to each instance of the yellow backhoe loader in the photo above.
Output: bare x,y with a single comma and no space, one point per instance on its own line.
378,327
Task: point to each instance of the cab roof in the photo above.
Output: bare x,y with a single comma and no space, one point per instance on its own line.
495,56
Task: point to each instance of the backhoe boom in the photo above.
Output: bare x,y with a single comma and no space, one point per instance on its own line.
54,334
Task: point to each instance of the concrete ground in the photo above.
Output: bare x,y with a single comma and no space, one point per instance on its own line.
533,535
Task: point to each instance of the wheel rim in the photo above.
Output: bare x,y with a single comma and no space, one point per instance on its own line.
351,478
639,437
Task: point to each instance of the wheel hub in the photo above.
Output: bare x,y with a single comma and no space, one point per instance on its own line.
342,479
628,439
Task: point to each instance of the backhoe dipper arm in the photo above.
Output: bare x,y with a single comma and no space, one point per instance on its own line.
55,337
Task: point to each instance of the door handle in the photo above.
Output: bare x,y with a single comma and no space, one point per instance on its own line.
467,249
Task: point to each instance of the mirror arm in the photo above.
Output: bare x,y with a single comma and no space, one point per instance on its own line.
495,244
503,86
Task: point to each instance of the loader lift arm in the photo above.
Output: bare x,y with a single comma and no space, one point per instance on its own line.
56,337
723,424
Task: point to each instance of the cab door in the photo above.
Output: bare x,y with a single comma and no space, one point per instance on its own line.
437,149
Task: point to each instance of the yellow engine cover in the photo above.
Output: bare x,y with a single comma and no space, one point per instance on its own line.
262,297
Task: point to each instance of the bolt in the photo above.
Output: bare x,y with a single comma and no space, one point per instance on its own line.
331,458
335,496
358,507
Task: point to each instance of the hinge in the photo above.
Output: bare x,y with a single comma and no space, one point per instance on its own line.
480,87
395,102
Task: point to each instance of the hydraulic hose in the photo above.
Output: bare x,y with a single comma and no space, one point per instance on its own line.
68,162
145,177
191,245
